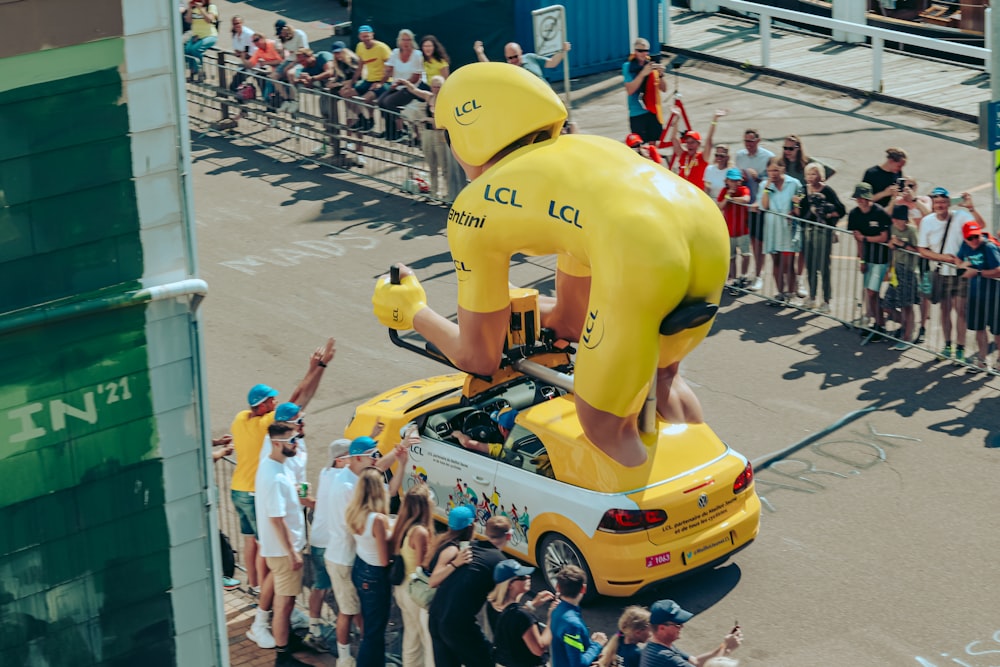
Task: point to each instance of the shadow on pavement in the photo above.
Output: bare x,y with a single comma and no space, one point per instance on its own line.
343,197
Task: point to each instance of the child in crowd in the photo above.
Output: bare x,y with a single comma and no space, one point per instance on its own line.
902,297
734,201
624,649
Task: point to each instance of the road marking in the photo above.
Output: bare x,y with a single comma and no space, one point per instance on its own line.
302,250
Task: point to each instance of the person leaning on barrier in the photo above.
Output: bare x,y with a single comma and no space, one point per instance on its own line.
373,55
979,256
432,139
290,40
903,295
870,224
940,238
752,159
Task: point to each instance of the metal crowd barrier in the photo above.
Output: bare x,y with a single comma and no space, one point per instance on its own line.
847,303
319,131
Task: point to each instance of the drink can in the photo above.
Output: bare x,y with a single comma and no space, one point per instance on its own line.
303,489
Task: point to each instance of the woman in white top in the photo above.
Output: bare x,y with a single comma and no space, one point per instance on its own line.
779,199
368,517
406,62
411,542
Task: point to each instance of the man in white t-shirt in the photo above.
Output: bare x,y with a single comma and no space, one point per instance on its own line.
242,37
940,239
340,548
752,159
281,533
319,537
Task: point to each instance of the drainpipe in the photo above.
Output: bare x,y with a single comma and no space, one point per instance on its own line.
67,309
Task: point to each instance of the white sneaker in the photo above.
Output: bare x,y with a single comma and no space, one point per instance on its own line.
261,635
809,303
758,284
284,105
299,620
825,308
293,107
346,662
801,289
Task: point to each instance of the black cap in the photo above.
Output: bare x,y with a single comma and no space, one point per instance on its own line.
279,24
900,212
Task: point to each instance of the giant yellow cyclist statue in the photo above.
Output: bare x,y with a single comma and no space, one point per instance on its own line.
634,242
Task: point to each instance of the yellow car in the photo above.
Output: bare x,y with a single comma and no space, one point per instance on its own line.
691,505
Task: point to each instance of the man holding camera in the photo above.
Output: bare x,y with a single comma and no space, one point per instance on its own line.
886,178
643,84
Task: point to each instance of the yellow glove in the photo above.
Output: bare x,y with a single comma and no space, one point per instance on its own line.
396,305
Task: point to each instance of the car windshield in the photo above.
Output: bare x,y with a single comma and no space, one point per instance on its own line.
521,448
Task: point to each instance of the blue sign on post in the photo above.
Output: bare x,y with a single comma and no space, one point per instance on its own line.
991,120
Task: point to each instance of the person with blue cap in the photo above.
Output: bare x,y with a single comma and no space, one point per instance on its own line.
504,419
667,619
373,55
734,202
463,575
341,549
249,429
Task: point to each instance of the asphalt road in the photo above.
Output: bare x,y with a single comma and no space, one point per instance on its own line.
878,537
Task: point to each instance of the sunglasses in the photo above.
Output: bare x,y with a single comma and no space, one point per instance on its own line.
257,39
789,148
292,440
523,577
642,50
722,155
514,57
973,236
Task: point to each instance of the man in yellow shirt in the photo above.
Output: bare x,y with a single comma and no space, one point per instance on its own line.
248,429
372,54
642,254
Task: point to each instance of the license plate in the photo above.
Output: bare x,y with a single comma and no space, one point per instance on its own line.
658,559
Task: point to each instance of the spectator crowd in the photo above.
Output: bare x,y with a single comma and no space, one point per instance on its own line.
461,600
914,251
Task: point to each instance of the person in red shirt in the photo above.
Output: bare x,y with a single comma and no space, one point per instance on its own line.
634,141
688,159
734,202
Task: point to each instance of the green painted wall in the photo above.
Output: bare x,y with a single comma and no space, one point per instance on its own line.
68,218
84,544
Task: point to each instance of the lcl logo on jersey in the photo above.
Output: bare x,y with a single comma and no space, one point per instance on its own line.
565,213
505,196
464,112
593,330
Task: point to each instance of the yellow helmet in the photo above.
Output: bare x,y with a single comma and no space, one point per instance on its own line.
486,107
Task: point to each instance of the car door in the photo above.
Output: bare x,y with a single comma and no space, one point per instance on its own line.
456,476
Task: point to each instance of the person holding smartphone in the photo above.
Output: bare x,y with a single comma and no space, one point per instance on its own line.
667,619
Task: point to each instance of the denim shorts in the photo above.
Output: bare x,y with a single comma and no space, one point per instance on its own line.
874,274
245,506
322,577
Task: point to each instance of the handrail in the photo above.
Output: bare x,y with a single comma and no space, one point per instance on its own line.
878,36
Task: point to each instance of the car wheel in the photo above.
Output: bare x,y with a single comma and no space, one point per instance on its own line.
556,551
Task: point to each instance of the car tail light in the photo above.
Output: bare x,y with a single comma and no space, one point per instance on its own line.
630,521
744,479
